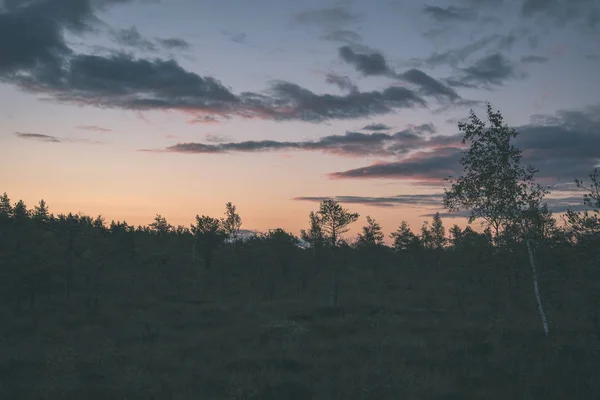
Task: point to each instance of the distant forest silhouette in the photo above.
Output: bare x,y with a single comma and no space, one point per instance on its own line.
71,282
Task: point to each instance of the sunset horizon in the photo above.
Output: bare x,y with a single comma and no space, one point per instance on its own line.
129,109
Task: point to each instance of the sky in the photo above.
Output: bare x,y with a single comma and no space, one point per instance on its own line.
132,108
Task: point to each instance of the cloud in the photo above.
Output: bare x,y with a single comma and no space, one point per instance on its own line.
53,139
334,23
38,137
351,144
239,37
423,128
94,128
585,13
38,60
456,56
173,43
327,18
556,205
435,201
428,85
534,59
490,70
445,14
341,81
290,101
422,166
372,63
391,201
563,146
369,64
343,35
376,127
131,37
120,81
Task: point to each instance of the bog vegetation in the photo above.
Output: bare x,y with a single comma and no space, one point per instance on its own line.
91,309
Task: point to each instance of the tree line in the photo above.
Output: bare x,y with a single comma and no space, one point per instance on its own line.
38,247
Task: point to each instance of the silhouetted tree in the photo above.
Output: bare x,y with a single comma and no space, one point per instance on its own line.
6,210
404,238
282,247
455,235
314,236
160,226
587,223
209,234
20,213
99,222
426,237
371,235
438,232
40,213
494,186
232,223
334,220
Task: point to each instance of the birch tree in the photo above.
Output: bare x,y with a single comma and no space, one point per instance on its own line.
495,187
232,223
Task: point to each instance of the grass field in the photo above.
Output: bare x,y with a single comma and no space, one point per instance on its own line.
403,331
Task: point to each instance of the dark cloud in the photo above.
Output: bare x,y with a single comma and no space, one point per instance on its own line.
124,82
343,35
248,146
53,139
435,201
563,147
456,56
584,13
36,59
327,17
423,166
37,136
94,128
335,23
428,85
556,205
369,64
291,101
445,14
376,127
490,70
121,81
563,204
372,63
173,43
351,144
423,128
462,103
236,37
239,38
341,81
534,59
131,37
391,201
27,40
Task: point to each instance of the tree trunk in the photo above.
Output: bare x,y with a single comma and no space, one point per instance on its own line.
536,287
